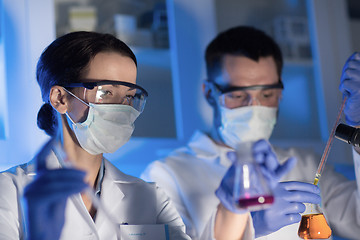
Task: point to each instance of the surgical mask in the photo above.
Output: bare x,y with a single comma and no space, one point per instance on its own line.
107,127
245,124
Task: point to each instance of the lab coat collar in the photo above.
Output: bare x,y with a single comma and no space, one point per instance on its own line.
204,147
112,195
113,173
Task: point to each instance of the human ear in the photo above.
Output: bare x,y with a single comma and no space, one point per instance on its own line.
58,99
207,91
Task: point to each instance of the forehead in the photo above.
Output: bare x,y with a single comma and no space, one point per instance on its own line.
111,66
243,71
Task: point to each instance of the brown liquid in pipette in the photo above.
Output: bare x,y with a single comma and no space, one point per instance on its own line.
314,226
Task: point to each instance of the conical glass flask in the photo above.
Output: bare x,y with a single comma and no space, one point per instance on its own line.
313,223
251,191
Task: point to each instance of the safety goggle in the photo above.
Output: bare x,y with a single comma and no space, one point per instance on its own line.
234,97
112,92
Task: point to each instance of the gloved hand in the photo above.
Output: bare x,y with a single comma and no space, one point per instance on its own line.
350,87
46,200
46,197
269,165
286,209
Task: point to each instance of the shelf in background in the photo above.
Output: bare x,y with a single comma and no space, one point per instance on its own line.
308,63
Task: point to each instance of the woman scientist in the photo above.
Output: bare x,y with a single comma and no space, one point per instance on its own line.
88,84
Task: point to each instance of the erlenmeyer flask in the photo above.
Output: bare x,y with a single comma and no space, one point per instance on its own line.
313,223
251,191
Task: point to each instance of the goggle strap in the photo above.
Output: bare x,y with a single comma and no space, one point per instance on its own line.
76,97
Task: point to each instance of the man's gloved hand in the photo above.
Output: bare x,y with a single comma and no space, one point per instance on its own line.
269,165
46,197
286,209
350,87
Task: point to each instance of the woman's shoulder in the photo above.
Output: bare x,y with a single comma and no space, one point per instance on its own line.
20,170
16,178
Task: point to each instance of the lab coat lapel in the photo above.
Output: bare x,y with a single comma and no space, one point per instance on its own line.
111,197
76,213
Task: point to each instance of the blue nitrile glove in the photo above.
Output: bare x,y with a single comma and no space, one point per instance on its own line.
350,87
269,165
46,201
286,209
46,198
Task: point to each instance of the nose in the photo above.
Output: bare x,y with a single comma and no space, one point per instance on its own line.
253,101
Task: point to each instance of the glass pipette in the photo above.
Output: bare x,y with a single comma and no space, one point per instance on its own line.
328,144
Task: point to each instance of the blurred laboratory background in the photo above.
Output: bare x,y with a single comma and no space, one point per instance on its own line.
169,38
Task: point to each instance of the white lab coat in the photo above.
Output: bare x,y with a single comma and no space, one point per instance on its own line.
130,200
190,176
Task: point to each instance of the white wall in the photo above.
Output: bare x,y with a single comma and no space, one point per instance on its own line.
331,44
193,25
27,30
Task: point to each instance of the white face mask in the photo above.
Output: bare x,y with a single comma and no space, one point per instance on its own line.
107,127
245,124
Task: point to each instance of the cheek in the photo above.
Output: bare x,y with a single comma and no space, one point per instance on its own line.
78,111
83,114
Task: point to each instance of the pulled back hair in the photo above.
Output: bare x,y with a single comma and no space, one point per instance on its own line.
65,60
240,41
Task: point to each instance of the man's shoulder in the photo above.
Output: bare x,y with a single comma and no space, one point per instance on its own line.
176,162
298,152
177,158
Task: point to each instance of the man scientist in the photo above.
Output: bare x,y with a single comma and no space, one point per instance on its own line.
244,88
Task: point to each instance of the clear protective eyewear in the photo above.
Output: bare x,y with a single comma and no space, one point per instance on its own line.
233,97
112,92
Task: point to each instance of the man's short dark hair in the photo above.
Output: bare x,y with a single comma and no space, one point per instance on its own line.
241,41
